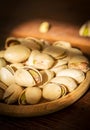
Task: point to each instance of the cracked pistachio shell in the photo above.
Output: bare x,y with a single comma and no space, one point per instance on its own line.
12,93
76,74
69,82
64,90
16,53
79,62
55,51
7,75
59,65
24,78
52,91
35,73
16,66
63,44
47,75
10,41
32,43
30,95
73,52
57,69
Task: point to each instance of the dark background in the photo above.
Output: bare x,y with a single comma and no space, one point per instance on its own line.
75,12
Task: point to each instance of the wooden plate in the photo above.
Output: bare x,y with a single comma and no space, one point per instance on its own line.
47,107
57,32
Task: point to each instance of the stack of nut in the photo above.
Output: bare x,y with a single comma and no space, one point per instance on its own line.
32,70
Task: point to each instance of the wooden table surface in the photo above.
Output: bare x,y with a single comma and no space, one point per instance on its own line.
75,12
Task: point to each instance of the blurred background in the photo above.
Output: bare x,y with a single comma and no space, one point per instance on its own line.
16,12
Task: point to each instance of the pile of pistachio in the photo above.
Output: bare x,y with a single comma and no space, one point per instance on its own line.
33,70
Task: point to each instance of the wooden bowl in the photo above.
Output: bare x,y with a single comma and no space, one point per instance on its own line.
57,31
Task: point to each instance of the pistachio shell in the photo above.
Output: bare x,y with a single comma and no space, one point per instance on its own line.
16,66
85,29
35,74
30,60
24,78
22,98
44,43
47,75
12,93
43,61
73,52
10,41
59,65
7,75
66,81
63,44
32,43
44,27
30,95
64,90
76,74
55,51
33,95
79,62
16,53
57,69
52,91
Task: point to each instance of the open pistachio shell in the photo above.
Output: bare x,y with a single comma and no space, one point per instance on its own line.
32,43
22,98
52,91
57,69
35,74
85,29
24,78
64,90
79,62
55,51
12,93
76,74
44,43
63,44
16,53
47,75
7,75
59,65
73,52
16,66
30,95
69,82
10,41
44,27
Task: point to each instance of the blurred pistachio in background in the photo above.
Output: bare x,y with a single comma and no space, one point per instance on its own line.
85,29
